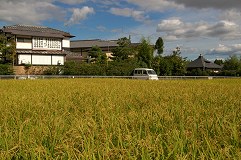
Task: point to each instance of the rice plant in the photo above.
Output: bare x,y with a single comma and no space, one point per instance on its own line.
120,119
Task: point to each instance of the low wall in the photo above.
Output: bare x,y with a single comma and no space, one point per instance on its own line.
32,70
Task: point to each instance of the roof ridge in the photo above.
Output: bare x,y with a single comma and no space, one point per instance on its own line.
37,29
26,25
23,25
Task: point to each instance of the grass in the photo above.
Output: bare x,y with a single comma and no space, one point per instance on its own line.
120,119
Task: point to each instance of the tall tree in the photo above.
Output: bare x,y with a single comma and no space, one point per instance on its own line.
97,55
174,64
7,49
159,46
145,52
232,63
176,51
219,61
124,50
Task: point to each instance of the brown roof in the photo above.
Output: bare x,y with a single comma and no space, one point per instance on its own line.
91,43
23,51
39,31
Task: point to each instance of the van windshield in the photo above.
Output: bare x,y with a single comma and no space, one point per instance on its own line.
151,72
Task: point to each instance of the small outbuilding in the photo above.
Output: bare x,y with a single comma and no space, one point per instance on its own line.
204,65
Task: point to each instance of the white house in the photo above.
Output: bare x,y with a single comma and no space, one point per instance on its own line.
38,45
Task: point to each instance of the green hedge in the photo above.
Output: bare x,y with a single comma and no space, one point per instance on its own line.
6,69
113,68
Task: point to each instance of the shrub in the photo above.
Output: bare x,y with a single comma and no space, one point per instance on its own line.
53,70
113,68
6,69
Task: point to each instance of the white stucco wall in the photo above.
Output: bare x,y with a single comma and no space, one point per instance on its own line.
24,59
57,59
23,45
66,43
41,59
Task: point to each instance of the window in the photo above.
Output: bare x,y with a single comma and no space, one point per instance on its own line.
46,43
151,72
139,71
24,40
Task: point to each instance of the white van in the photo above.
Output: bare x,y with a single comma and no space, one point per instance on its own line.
144,73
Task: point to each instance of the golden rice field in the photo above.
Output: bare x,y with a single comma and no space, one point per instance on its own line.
120,119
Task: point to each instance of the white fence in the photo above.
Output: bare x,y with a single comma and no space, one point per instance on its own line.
121,77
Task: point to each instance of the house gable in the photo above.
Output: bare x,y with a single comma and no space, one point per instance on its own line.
39,45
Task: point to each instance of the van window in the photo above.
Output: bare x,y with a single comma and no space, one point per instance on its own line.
144,72
151,72
138,71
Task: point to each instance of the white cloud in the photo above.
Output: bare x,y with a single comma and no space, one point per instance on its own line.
231,15
101,28
170,25
175,29
155,5
128,12
35,12
72,2
107,2
218,4
30,12
221,49
80,14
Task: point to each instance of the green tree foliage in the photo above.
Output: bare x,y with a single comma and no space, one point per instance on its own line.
7,49
232,66
145,52
84,69
114,68
123,68
219,61
159,46
232,63
198,72
156,64
6,69
173,65
53,70
7,55
97,55
124,50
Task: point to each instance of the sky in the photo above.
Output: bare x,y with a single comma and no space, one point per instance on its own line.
208,27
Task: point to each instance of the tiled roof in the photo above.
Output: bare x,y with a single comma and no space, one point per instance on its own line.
201,62
91,43
35,31
22,51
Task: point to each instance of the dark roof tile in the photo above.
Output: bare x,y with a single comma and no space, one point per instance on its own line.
91,43
43,52
201,62
35,31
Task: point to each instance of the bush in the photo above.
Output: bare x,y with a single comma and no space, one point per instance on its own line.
6,69
76,68
113,68
123,68
53,70
198,72
230,73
